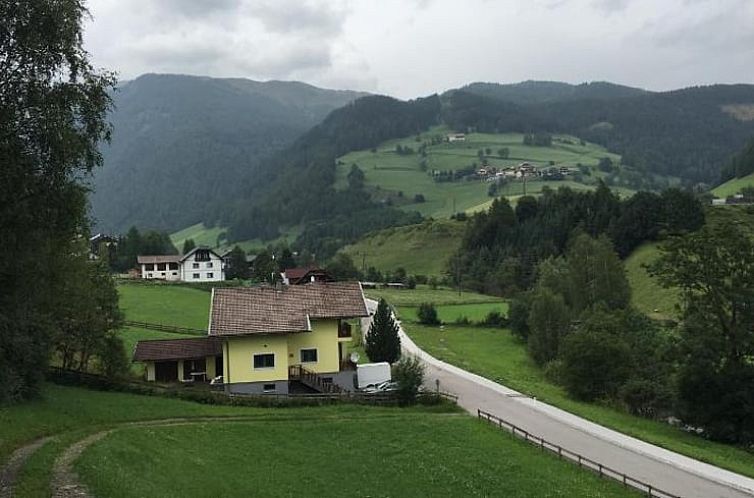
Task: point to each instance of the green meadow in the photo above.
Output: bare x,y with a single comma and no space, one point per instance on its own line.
215,237
424,455
422,249
647,295
387,171
425,294
450,313
168,304
734,186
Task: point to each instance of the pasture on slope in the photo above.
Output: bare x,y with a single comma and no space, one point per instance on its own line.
422,249
387,172
215,237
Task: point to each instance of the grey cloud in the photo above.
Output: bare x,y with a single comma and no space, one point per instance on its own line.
287,16
196,8
610,6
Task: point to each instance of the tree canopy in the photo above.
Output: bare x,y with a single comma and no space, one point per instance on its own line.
53,105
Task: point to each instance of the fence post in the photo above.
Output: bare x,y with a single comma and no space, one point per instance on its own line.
600,469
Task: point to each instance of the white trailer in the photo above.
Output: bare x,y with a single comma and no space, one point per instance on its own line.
372,374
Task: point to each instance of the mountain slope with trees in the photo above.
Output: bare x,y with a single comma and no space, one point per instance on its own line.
181,143
688,133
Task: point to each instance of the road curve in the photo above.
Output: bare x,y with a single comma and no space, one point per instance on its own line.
666,470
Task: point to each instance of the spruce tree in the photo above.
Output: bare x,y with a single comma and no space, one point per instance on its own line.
382,342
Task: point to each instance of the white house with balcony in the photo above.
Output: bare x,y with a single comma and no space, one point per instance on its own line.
199,265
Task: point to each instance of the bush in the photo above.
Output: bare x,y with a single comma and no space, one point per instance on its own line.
518,316
495,319
462,320
428,314
409,374
595,365
411,282
646,397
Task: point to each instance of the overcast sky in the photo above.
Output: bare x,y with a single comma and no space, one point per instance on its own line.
410,48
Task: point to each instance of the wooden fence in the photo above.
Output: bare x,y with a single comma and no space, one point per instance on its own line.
165,328
582,461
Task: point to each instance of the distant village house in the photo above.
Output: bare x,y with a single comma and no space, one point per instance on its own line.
201,264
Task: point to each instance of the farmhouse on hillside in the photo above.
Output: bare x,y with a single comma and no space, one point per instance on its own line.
201,264
456,137
298,276
267,340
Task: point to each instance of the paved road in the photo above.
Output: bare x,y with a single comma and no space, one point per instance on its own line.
661,468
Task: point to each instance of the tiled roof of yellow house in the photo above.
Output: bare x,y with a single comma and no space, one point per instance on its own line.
288,309
176,349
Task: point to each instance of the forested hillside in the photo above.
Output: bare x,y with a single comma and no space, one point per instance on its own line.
181,143
689,133
297,186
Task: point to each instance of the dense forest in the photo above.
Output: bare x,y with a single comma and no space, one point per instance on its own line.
181,143
298,183
742,164
502,247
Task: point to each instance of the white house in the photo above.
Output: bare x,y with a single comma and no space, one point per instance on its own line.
198,265
456,137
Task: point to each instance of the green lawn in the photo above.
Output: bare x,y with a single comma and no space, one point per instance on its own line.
497,355
168,304
388,172
424,294
449,313
415,455
422,249
734,186
647,295
68,414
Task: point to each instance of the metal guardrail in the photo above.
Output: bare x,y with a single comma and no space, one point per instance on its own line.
582,461
165,328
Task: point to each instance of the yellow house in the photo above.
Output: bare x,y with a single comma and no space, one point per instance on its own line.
267,340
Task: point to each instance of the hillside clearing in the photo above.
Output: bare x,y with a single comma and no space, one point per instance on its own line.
734,186
647,294
388,173
422,249
216,237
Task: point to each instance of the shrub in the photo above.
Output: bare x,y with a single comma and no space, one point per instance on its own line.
462,320
409,374
518,316
428,314
495,319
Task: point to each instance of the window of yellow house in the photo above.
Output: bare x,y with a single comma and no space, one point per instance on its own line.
308,355
264,360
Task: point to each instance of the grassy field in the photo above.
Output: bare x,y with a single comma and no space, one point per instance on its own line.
422,249
215,237
394,173
67,414
734,186
449,313
166,304
647,295
429,451
498,355
424,294
424,455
